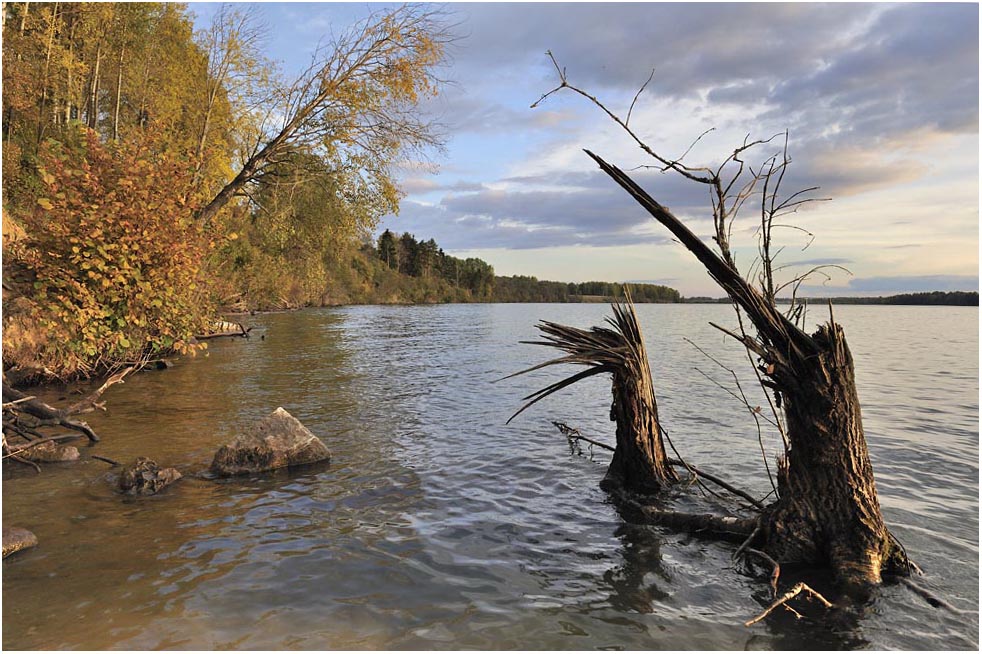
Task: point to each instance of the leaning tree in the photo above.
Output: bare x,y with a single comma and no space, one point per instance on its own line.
826,511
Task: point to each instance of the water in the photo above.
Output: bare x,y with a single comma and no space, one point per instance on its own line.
437,526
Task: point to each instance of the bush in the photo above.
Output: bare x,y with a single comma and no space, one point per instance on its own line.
111,259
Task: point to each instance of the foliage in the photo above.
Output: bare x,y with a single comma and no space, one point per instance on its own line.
111,255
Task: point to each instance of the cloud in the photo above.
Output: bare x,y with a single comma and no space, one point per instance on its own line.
422,185
491,221
825,261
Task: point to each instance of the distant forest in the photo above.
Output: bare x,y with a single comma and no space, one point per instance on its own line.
430,275
473,280
948,298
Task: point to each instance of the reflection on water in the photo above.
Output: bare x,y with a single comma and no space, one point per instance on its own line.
437,526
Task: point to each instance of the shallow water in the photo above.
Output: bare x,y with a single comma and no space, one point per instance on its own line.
437,526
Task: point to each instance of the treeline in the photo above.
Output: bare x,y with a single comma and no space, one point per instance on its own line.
473,280
949,298
946,298
154,173
520,288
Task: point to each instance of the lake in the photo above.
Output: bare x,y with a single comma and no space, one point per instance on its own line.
437,526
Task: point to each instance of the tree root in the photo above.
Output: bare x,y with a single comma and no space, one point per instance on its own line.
573,434
931,598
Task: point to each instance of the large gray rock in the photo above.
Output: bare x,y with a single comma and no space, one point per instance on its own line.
277,441
16,539
145,477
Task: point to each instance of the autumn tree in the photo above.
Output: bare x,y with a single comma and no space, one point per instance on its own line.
355,106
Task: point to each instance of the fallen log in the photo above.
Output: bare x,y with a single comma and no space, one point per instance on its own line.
225,329
24,414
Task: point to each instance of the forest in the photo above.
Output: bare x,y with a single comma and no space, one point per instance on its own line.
155,174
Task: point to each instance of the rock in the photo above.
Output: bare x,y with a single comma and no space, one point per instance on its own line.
50,453
145,477
16,539
277,441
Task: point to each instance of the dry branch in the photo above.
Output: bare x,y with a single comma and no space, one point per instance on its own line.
796,590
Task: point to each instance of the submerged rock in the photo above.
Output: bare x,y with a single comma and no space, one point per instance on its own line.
145,477
50,453
277,441
16,539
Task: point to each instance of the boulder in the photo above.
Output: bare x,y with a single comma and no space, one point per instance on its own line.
145,477
50,453
16,539
277,441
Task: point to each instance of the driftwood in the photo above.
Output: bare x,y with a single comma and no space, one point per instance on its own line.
25,415
224,329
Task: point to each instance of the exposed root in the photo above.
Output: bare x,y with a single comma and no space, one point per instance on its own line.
931,598
573,434
775,567
723,527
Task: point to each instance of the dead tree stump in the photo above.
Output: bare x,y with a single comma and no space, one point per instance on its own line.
828,512
639,463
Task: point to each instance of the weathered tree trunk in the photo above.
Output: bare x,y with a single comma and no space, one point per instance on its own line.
639,463
828,512
828,509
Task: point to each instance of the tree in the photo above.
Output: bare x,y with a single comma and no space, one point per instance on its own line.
827,511
388,250
355,105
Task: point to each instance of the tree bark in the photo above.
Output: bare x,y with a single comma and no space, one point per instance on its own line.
93,104
639,462
119,92
828,512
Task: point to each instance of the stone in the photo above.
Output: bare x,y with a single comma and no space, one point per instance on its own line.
277,441
144,477
16,539
50,453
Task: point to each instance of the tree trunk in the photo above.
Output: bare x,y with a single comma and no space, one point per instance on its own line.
828,512
93,103
639,462
119,92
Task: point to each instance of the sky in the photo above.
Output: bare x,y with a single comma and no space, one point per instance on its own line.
881,103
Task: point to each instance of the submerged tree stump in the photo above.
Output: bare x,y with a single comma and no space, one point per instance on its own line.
639,463
827,512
